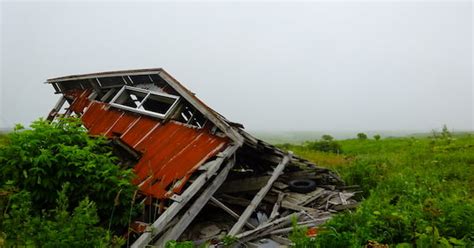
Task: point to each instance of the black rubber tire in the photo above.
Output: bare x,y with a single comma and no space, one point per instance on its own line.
302,185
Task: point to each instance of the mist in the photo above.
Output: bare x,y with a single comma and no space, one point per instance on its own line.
312,66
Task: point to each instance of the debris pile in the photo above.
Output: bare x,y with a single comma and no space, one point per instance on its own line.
309,203
200,176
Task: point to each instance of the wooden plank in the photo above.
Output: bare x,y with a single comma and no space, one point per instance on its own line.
344,207
244,184
239,201
210,115
276,207
303,199
158,226
95,85
259,196
281,240
174,232
292,206
269,225
313,196
280,185
229,211
108,94
282,228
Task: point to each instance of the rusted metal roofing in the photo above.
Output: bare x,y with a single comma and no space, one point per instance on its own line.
170,151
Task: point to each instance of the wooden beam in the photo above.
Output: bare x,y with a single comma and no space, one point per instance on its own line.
108,94
230,211
158,226
176,230
206,111
94,83
244,184
269,225
259,196
276,207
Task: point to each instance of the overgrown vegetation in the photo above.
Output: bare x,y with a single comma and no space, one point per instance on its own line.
418,192
60,187
325,144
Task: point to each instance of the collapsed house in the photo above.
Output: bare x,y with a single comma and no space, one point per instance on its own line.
193,165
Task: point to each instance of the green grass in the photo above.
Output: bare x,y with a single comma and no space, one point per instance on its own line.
417,192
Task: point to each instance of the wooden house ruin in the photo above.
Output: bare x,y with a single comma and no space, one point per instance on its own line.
187,157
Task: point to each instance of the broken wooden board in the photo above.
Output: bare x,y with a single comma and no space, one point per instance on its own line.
303,199
244,184
259,196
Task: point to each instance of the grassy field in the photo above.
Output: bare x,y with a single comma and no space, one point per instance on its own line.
416,192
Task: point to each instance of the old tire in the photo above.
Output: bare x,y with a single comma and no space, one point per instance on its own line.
302,185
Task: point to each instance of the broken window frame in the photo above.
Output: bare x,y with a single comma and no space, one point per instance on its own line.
148,94
195,118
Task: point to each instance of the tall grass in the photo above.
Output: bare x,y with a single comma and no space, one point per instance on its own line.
417,192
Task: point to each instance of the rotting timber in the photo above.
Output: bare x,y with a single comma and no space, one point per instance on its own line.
191,161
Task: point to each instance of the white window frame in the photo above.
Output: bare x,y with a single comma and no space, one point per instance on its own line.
148,93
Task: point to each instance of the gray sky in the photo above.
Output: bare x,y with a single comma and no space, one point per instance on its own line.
271,66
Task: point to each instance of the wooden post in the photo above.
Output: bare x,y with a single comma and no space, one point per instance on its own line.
259,196
230,211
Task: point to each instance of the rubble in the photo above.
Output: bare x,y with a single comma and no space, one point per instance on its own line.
201,176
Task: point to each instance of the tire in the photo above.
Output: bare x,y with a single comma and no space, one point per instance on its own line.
302,185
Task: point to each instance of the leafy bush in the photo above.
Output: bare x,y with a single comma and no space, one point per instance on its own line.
377,137
42,159
53,228
327,137
326,144
362,136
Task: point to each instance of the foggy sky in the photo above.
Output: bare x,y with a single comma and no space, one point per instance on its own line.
271,66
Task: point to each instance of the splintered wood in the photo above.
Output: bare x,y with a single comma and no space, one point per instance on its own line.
265,205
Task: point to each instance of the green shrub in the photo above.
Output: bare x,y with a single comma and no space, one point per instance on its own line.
53,228
326,144
327,137
416,192
361,136
40,160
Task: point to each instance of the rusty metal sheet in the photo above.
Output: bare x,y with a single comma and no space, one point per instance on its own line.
171,151
80,100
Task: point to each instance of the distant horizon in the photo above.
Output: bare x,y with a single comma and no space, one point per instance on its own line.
325,131
276,137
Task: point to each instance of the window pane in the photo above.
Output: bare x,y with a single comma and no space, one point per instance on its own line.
130,98
158,104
